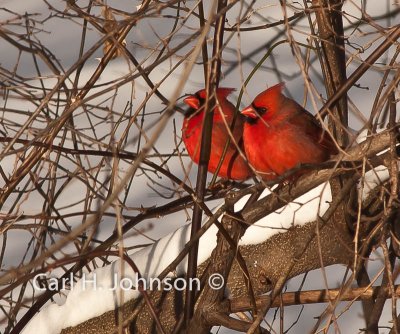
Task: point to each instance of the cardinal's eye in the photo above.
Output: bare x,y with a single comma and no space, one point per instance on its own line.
260,110
201,100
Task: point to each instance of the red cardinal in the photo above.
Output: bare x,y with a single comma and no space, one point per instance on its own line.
233,166
279,134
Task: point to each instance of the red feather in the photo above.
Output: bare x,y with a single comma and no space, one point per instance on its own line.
234,166
280,134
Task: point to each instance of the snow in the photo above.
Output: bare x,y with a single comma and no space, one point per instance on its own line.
89,300
93,295
302,210
373,177
86,301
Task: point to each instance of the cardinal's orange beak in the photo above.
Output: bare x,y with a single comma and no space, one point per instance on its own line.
249,112
192,101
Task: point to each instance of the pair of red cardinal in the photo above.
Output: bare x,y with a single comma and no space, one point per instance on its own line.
278,135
